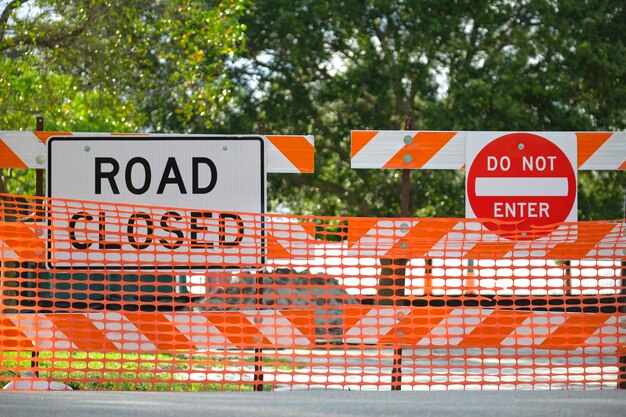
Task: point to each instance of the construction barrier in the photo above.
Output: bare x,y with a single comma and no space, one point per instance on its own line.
112,296
27,149
412,149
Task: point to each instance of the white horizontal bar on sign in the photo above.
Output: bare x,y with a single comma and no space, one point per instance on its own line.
521,187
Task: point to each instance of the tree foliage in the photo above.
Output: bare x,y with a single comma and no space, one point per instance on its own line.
97,64
324,68
330,67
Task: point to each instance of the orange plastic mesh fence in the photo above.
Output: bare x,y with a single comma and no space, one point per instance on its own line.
111,296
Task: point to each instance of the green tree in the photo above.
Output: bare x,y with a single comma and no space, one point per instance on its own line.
100,65
324,68
329,67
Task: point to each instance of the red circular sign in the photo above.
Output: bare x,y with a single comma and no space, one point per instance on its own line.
524,179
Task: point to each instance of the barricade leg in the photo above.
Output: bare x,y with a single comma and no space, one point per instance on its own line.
621,377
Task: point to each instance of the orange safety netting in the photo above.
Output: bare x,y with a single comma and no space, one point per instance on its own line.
112,296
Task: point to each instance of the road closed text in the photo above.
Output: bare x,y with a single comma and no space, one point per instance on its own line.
149,231
107,170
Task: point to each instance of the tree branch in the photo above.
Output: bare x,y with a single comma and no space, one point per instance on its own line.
472,48
52,40
6,14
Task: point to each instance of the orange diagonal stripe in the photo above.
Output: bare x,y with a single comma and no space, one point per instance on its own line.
44,136
574,332
303,320
488,250
360,138
422,237
496,327
12,337
160,331
352,315
589,143
425,145
8,158
589,236
275,250
237,328
22,240
357,228
298,150
309,227
416,325
82,332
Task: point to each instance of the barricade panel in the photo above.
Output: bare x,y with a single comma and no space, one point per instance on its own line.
113,296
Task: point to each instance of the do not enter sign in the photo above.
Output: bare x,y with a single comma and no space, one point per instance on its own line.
523,178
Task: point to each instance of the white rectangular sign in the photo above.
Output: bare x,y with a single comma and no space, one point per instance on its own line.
193,177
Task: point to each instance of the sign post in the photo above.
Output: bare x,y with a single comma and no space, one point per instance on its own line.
525,178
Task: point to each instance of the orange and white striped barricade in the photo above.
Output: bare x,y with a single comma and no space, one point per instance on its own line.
400,149
27,149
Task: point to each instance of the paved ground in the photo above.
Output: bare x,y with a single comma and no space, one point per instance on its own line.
314,403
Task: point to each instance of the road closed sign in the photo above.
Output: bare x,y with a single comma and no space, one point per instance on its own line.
204,185
525,179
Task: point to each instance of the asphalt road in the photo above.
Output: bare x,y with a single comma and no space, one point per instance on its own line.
314,404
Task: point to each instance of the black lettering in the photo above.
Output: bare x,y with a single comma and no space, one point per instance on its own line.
233,218
109,175
196,175
171,166
147,175
193,236
101,227
172,230
130,229
75,218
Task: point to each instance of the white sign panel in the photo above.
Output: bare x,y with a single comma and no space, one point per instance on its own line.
194,177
